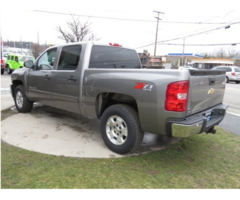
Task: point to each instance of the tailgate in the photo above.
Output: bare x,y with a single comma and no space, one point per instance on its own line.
206,89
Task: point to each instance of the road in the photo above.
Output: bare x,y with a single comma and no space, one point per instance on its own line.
231,98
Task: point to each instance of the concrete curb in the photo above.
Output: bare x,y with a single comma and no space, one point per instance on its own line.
56,132
6,101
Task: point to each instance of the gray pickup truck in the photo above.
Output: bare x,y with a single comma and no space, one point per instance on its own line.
106,81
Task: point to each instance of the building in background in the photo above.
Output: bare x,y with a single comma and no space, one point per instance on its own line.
210,63
180,59
237,61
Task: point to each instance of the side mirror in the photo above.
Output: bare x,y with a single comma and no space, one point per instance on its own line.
28,64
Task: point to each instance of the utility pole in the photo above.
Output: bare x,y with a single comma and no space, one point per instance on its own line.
21,44
38,37
158,12
183,51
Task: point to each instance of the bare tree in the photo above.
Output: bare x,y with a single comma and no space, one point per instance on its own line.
37,49
221,53
77,31
232,52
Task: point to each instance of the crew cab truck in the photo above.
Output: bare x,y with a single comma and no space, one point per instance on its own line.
106,81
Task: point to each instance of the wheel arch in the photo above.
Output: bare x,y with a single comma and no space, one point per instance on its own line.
104,100
15,83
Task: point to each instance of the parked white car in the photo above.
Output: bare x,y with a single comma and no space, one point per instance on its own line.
232,73
186,67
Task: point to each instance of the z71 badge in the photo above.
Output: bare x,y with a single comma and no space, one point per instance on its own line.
143,86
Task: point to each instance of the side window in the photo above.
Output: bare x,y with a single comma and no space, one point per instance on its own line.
237,69
12,57
8,57
16,58
69,58
47,60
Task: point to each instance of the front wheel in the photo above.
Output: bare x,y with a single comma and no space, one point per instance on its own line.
237,82
120,129
22,103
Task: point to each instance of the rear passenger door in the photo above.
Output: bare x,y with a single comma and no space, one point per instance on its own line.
65,81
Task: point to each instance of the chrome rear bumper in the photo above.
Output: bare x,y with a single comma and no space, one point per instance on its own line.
197,123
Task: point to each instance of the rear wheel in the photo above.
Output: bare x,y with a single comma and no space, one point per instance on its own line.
2,70
22,103
9,71
237,82
120,129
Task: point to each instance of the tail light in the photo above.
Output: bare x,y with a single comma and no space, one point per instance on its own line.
177,96
2,61
233,73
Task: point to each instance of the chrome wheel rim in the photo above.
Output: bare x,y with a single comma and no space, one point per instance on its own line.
116,129
19,99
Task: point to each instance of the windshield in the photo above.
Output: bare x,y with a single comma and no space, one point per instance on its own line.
25,58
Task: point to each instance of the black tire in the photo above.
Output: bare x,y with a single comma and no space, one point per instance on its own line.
9,71
227,79
237,82
2,71
126,128
22,103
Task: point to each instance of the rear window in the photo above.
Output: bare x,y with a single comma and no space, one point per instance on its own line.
113,57
25,58
227,69
237,69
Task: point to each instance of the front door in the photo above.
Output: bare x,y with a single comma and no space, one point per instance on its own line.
65,82
16,63
39,78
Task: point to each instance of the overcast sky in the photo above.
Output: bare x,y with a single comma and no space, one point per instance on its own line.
25,23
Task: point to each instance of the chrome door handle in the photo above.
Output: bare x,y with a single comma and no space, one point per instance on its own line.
72,79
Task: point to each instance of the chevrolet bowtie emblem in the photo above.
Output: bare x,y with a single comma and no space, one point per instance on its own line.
211,91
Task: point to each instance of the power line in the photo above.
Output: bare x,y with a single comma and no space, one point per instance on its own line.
233,44
136,20
190,35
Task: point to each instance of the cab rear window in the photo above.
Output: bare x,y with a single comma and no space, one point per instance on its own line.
113,57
